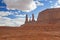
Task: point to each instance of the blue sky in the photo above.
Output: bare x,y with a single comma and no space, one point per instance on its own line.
14,14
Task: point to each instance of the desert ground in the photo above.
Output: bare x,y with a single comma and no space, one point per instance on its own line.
21,33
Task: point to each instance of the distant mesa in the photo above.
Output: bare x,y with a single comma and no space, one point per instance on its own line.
50,16
48,19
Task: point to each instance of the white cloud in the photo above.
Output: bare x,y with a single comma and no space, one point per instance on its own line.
58,1
57,4
50,1
18,21
20,15
39,3
4,13
5,21
24,5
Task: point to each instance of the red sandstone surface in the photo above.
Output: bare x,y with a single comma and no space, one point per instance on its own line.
7,33
45,28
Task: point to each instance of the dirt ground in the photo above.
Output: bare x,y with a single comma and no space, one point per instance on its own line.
7,33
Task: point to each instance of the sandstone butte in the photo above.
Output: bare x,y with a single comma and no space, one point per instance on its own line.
47,27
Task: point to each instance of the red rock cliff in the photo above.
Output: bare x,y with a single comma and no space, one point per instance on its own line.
49,16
